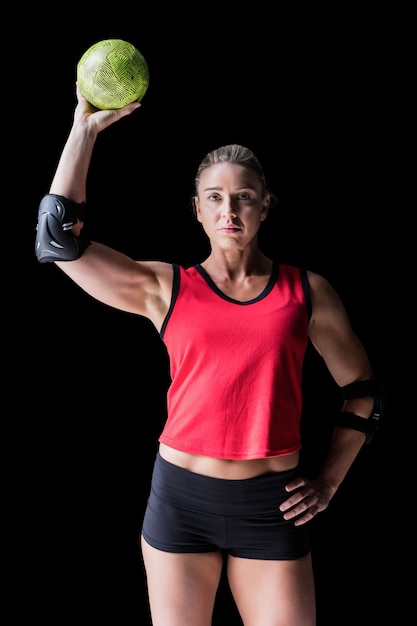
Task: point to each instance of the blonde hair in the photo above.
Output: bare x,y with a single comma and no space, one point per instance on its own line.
234,153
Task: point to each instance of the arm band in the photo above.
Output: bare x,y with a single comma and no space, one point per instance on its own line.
370,425
54,239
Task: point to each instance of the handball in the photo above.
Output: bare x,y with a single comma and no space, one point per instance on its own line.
112,73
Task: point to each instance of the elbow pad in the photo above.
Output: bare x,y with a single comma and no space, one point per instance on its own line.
54,238
370,425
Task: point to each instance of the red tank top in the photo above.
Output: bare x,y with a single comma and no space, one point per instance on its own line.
235,367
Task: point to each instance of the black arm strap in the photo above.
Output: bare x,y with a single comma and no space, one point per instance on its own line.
359,389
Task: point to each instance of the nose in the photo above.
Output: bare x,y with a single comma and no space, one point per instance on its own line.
227,208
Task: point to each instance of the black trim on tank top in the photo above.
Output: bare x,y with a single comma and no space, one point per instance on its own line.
174,296
306,289
271,282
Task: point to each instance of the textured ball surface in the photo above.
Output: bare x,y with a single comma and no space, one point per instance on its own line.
112,73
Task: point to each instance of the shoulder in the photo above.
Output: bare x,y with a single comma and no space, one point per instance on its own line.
320,287
326,303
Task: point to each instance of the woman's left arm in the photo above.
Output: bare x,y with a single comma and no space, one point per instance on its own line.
332,335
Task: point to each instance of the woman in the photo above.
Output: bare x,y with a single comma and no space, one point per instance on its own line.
227,481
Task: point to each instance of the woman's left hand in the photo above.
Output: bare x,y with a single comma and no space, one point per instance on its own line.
311,497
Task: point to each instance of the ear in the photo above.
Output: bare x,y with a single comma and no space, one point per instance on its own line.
197,208
265,207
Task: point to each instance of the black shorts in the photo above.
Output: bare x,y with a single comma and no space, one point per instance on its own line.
188,512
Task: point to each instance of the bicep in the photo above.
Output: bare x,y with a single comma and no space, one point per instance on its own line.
332,334
120,282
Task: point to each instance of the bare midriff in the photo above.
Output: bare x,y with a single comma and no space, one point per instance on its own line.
225,468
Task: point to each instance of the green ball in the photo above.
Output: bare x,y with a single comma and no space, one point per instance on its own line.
112,73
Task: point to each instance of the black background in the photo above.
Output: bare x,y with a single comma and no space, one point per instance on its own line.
308,93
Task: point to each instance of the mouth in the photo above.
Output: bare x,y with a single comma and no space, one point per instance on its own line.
229,229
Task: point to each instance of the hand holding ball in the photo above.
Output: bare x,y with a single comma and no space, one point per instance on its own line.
112,73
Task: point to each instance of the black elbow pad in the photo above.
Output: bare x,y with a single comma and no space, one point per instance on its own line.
54,239
370,425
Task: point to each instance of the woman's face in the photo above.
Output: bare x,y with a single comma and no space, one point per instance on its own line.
229,204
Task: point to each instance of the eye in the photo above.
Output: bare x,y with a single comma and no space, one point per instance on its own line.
243,196
213,197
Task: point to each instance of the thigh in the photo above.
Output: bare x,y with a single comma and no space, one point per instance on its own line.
181,587
273,593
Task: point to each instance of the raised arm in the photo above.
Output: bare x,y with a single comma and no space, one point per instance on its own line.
143,288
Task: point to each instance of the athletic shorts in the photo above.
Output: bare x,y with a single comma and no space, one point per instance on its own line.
188,512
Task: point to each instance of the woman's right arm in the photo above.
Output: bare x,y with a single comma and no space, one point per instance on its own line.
113,278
